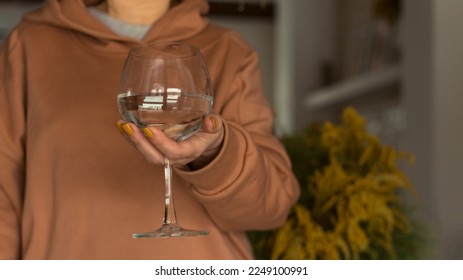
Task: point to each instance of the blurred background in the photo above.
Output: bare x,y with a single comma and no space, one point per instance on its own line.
398,62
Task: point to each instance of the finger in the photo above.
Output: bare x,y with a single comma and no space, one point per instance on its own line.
118,125
123,130
137,138
161,141
177,152
212,124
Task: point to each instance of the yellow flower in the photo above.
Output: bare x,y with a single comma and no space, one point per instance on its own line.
354,207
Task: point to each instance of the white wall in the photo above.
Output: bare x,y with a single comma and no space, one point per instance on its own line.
433,65
448,102
10,14
305,38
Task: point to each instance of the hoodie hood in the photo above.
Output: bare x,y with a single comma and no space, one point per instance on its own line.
73,15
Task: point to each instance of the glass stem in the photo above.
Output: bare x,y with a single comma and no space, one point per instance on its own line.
170,216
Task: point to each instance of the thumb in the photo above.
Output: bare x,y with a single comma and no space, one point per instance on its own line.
213,123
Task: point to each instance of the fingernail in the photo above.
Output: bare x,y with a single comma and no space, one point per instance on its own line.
127,129
147,132
119,127
214,123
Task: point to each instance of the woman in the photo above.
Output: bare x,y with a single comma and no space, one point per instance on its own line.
72,188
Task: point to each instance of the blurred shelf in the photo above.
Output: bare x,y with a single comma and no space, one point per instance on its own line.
353,87
242,9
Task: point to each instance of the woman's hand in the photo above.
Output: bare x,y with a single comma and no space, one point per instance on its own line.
197,151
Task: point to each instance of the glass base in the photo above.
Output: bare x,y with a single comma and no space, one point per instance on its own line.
170,230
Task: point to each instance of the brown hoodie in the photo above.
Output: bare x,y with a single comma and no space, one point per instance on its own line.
72,188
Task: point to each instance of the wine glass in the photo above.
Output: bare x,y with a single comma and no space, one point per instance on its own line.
166,85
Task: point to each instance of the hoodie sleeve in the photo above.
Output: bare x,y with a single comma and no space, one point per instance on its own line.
12,131
250,184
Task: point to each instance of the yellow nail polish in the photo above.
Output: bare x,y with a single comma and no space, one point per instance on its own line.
119,127
147,132
127,129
